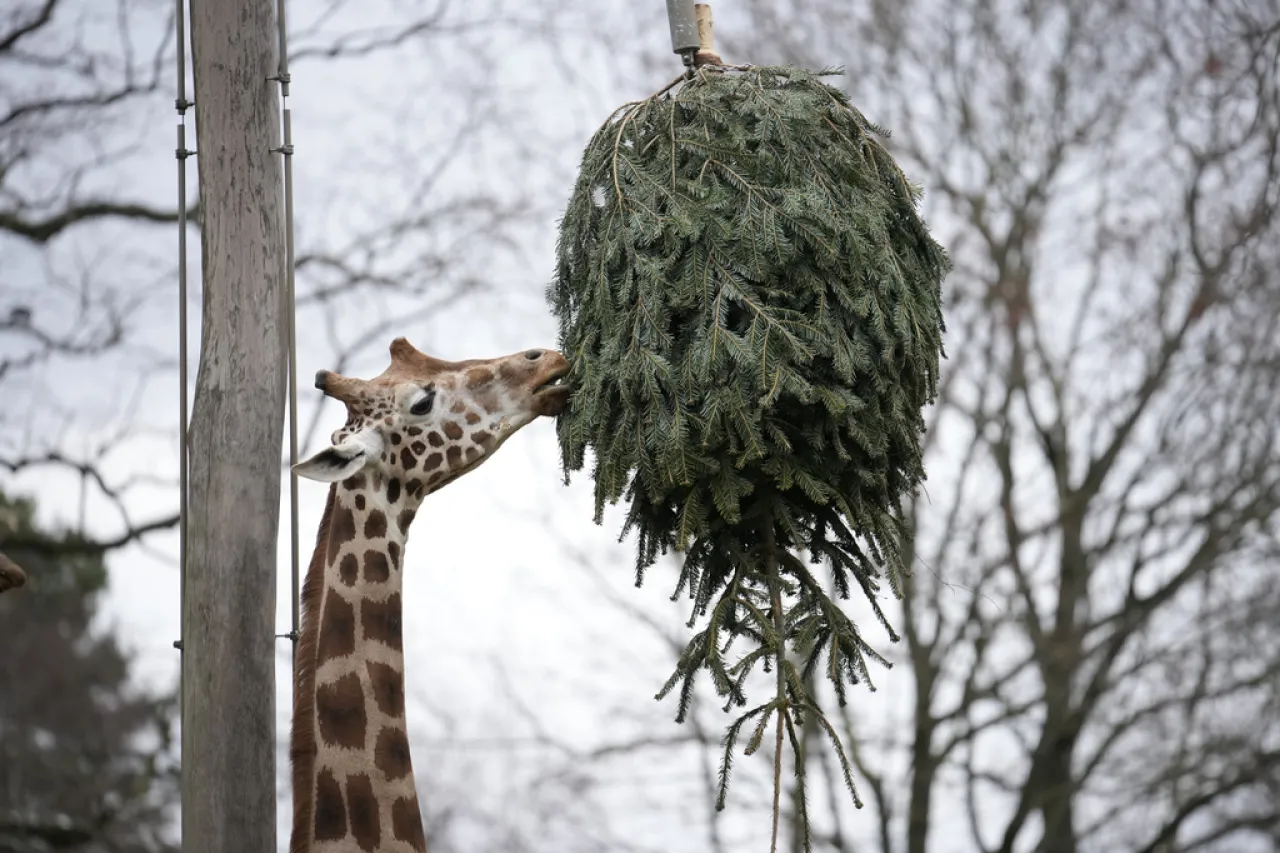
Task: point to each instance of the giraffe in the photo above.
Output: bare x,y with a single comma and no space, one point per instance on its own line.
412,430
11,575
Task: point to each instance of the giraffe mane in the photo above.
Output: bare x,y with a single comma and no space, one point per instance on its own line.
302,739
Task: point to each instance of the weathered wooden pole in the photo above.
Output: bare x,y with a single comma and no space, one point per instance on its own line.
228,735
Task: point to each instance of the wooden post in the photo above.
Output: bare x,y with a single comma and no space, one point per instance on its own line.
228,733
706,54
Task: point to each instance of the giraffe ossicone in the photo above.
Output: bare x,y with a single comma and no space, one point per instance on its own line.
409,432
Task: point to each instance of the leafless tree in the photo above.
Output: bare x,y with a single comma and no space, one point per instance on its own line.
1090,645
87,310
397,218
1090,634
1090,655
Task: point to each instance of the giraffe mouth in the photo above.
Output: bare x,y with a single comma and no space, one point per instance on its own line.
551,397
554,380
557,382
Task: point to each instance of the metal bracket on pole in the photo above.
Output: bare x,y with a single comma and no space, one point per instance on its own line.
684,29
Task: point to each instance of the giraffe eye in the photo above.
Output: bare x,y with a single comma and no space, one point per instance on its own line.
423,406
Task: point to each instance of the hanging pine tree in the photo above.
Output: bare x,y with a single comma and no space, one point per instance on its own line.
751,304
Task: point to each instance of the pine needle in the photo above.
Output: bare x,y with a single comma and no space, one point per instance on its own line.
751,304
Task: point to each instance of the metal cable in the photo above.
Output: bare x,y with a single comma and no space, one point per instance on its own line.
182,153
286,149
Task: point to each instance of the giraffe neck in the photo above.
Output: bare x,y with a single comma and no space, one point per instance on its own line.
352,776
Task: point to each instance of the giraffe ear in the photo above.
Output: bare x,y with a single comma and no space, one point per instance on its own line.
342,460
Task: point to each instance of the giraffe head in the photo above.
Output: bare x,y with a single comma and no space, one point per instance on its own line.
425,422
11,575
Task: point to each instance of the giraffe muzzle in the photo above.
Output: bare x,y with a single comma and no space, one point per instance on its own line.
551,397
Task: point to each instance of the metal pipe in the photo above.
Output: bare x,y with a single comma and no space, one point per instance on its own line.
684,28
180,23
283,41
183,449
293,373
286,149
182,153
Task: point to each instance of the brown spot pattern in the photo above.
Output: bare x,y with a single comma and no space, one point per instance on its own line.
375,568
395,438
355,482
414,431
381,621
391,753
342,529
458,407
414,487
432,462
406,516
436,439
454,455
393,490
330,812
418,447
453,430
473,418
362,810
387,688
479,375
393,551
340,711
337,629
481,437
406,823
360,502
349,569
375,526
407,459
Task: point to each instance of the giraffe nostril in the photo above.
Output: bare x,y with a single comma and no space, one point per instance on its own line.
533,354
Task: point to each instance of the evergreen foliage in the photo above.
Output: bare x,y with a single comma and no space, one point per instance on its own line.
85,759
751,305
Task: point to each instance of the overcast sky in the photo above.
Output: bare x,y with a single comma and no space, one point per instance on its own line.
525,638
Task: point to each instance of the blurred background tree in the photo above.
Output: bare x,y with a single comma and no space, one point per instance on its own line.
85,759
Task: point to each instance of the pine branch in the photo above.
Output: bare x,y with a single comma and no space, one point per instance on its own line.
779,655
752,309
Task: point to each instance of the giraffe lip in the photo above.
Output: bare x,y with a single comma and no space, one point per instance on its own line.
551,397
553,381
550,383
